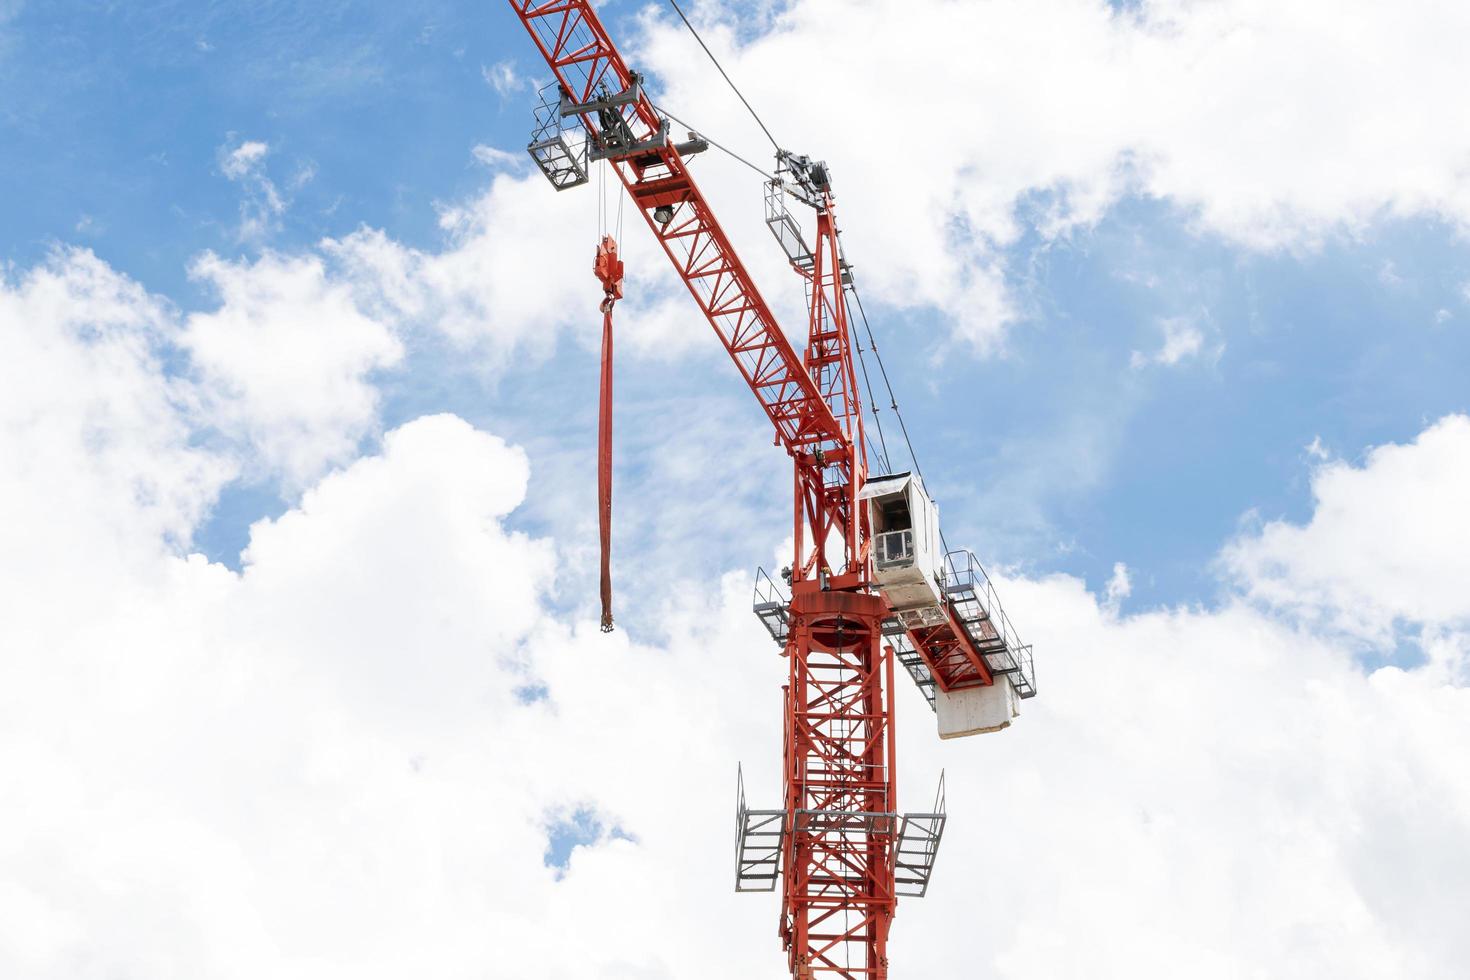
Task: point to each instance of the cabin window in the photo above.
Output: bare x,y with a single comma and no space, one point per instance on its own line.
893,514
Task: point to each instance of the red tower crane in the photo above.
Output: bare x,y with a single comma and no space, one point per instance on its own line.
870,581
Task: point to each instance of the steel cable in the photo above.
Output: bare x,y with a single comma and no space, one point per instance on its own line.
733,87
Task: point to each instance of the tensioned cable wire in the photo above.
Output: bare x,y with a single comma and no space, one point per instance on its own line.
601,201
753,114
877,420
893,403
621,197
719,146
872,342
892,400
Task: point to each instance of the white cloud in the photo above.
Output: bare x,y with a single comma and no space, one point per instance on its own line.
1386,541
281,367
503,78
244,160
285,361
1250,781
304,175
105,470
320,766
496,158
1119,587
263,204
1241,114
1182,340
508,279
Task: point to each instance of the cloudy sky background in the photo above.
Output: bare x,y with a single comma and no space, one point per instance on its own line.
299,668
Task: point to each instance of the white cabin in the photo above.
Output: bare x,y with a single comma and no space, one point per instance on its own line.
908,558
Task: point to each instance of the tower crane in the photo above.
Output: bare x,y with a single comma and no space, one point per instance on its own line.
870,580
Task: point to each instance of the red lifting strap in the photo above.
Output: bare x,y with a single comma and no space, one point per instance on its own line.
609,270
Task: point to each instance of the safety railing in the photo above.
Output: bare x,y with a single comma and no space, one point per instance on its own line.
770,606
893,548
965,580
916,847
562,160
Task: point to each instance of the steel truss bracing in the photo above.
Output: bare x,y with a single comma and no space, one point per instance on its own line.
839,895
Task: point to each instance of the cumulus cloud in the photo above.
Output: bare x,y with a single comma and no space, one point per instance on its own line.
106,469
1385,543
1250,780
280,367
326,764
1257,122
503,282
285,360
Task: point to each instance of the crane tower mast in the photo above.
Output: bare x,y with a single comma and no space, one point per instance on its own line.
838,847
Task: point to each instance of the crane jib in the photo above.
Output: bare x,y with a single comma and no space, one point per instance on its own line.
576,47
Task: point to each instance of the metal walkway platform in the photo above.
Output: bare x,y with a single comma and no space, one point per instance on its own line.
917,846
758,838
978,607
898,638
551,146
771,607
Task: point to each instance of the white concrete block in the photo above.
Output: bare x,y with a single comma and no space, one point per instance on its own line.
977,710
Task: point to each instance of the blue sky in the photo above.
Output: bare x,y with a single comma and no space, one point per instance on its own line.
127,107
298,646
1054,455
